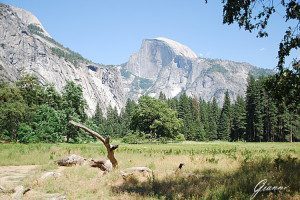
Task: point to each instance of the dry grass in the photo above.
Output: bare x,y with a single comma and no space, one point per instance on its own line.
209,164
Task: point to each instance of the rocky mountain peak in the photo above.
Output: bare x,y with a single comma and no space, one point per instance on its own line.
158,53
161,65
29,19
177,48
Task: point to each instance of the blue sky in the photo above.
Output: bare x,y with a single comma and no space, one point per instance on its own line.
110,31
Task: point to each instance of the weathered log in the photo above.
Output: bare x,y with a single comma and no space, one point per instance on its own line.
19,191
110,148
103,164
71,160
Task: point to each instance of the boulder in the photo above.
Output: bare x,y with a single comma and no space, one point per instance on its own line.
71,160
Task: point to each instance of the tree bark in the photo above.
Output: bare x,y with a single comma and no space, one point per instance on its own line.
110,148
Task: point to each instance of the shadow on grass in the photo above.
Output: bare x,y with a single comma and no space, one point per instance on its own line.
212,184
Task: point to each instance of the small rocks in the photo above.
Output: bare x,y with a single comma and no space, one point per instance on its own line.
50,175
57,197
139,173
2,189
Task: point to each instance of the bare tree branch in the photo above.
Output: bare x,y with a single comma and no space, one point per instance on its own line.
110,148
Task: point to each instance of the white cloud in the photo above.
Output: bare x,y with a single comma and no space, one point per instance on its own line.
262,49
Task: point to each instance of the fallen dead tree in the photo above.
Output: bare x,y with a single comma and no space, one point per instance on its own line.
105,165
19,191
71,160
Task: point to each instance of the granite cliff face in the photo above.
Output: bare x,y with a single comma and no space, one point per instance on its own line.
161,65
26,47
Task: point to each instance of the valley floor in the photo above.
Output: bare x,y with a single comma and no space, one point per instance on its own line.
212,170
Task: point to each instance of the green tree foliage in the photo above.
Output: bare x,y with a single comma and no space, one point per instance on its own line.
113,125
68,55
126,116
12,109
266,118
213,116
255,15
98,116
47,125
52,98
74,108
250,109
224,126
154,117
98,119
238,129
73,101
184,113
162,96
31,90
31,112
255,100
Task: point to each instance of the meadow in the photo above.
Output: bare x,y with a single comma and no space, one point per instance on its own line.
212,170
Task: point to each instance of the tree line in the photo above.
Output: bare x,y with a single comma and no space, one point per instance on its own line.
31,112
257,117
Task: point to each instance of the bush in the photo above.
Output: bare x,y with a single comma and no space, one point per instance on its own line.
135,138
26,134
180,137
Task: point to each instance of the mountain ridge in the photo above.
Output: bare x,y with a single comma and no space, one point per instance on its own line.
173,71
161,65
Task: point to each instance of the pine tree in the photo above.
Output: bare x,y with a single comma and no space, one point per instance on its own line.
98,118
197,128
269,118
184,113
162,96
173,103
213,116
126,116
112,125
224,125
238,119
259,113
250,108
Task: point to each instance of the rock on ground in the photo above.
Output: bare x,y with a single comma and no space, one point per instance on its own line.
71,160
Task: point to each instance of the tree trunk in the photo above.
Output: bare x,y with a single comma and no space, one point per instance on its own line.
110,148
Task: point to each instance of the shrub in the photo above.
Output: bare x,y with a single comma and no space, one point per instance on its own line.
180,137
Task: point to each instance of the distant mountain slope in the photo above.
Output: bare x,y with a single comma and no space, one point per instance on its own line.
160,65
26,47
163,65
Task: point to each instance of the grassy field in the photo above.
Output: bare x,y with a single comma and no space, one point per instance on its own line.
213,170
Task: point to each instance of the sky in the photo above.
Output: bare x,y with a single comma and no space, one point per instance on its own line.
109,31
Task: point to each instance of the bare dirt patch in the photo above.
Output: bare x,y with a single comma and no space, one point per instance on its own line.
14,175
